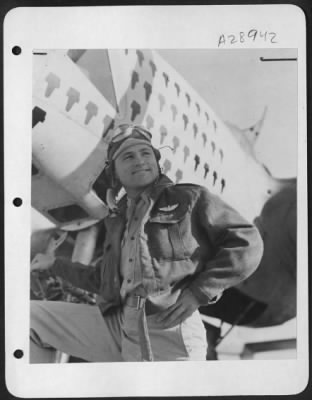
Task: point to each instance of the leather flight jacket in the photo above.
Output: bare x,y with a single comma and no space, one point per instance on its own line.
194,240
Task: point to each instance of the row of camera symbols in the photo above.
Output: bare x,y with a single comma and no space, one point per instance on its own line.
167,168
135,77
136,109
148,91
177,143
92,110
197,133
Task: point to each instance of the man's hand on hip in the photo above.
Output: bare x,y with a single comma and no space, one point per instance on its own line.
178,312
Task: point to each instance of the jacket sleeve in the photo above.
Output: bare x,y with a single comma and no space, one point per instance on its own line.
86,277
237,243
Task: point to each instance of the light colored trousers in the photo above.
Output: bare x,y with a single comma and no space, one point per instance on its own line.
82,331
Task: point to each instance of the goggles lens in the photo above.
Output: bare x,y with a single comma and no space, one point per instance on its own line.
124,131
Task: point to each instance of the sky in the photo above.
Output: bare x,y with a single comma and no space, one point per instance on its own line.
238,86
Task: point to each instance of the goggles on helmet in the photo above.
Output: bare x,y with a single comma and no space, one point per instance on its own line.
125,130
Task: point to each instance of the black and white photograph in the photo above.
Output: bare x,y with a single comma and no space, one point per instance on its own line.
163,189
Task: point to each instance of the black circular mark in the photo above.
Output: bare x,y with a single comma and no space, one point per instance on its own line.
17,201
18,354
16,50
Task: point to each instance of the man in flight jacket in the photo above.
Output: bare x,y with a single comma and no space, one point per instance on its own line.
168,249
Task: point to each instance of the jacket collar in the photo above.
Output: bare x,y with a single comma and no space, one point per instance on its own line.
154,190
162,183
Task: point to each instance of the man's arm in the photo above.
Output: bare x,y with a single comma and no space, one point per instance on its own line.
238,245
239,250
79,275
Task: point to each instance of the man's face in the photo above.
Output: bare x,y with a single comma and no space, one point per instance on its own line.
136,168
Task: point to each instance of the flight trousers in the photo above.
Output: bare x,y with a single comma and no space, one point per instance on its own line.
81,330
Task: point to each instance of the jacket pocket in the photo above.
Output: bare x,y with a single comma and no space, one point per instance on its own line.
168,233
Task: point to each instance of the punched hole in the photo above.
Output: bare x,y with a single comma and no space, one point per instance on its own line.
18,354
16,50
17,201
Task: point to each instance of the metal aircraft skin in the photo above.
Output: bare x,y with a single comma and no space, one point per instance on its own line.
80,95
